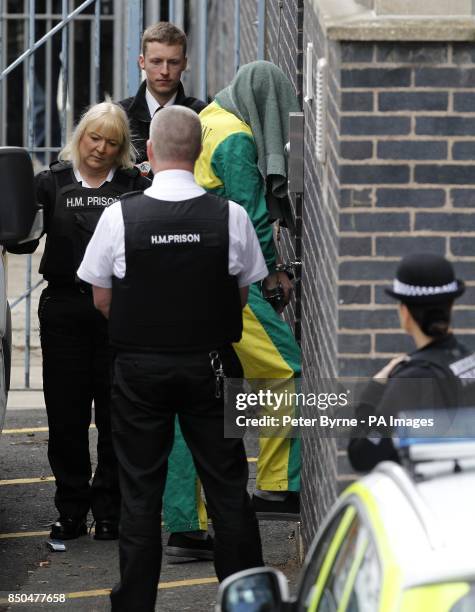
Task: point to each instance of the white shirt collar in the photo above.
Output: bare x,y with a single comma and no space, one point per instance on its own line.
80,179
174,186
152,103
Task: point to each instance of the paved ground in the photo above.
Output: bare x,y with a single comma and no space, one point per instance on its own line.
88,569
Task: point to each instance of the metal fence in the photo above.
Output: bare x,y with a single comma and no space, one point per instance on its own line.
59,56
56,58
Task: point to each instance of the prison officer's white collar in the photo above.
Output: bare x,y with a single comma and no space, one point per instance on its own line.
174,186
85,184
153,105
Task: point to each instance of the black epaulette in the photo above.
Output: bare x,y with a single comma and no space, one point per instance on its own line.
60,166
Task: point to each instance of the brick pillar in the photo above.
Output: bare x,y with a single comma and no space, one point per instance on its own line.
398,178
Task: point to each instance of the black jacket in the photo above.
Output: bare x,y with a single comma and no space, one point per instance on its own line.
387,399
139,116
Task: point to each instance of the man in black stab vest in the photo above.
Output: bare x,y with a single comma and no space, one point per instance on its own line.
170,340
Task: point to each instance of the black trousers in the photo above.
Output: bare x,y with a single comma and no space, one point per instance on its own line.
76,372
148,391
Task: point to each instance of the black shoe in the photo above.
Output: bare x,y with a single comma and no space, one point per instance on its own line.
286,510
67,528
181,545
106,530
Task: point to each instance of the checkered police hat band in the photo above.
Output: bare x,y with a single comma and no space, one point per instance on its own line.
415,290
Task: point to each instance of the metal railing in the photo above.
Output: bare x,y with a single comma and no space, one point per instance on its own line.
32,86
40,95
48,85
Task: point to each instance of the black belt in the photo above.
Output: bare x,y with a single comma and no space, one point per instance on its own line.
80,286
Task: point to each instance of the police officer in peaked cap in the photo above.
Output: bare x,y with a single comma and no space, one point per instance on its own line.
172,339
425,287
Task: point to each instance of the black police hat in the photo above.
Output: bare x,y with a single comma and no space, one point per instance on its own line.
423,278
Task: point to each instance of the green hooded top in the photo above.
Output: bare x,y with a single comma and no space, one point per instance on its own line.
244,134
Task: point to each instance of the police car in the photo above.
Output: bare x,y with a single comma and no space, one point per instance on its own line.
20,220
399,539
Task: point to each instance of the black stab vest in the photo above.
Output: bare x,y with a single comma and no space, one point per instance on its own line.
75,215
177,294
453,364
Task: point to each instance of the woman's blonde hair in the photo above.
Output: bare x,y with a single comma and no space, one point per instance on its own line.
111,121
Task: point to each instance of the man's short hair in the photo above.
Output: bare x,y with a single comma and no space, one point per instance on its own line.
166,33
175,133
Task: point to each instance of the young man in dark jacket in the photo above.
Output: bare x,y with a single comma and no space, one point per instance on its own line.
163,59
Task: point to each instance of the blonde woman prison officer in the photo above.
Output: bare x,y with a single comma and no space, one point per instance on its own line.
164,333
95,168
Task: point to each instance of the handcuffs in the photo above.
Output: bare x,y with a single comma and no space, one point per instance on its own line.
276,296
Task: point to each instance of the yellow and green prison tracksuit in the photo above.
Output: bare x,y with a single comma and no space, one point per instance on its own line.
267,350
